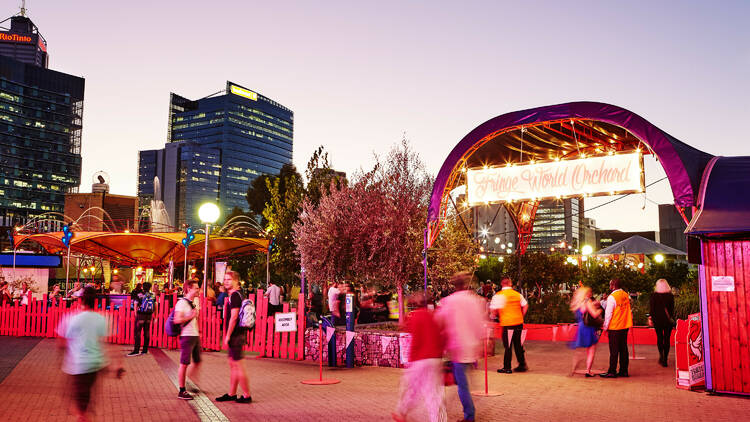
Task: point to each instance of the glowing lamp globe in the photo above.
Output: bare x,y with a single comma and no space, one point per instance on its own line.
208,213
587,250
659,258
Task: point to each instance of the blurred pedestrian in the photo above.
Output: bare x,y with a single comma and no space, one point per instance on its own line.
662,318
273,293
587,337
510,307
422,382
463,320
81,336
618,320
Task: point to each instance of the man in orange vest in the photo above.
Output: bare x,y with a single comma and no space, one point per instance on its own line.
618,319
510,307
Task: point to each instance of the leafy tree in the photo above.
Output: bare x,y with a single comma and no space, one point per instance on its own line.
281,212
321,178
454,251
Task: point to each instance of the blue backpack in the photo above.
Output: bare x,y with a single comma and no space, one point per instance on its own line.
146,305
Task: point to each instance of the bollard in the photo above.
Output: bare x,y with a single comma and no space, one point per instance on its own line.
331,343
350,327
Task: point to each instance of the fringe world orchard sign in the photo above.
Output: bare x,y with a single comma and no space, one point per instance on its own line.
609,174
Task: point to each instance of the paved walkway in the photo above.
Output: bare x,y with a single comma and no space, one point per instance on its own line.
35,389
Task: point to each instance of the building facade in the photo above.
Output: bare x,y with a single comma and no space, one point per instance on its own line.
558,221
608,238
215,147
102,211
40,128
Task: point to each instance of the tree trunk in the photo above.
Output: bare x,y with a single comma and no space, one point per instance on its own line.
401,315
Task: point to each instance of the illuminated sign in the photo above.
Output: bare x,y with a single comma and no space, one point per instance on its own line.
7,36
609,174
242,92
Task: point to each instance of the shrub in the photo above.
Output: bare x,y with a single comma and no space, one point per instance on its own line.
550,309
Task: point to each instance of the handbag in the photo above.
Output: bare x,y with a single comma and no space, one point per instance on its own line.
448,378
591,321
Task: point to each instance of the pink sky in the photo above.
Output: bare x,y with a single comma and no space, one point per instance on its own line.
360,74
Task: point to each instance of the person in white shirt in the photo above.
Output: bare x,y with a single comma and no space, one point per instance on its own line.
186,313
333,297
274,298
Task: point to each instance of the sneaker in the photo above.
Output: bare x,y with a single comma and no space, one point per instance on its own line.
133,354
504,371
184,395
243,399
226,397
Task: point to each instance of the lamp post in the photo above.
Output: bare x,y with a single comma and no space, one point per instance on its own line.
208,213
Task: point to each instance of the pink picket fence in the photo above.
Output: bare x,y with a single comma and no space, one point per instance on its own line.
41,319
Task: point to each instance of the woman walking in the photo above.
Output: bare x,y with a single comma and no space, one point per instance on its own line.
662,317
586,310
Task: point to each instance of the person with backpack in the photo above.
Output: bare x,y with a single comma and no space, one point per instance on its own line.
145,306
186,317
235,336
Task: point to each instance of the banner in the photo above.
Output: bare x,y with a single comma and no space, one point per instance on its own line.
329,333
608,174
349,338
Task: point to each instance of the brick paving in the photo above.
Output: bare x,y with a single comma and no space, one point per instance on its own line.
36,390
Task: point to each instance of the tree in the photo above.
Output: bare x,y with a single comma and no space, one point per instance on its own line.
321,178
259,193
372,230
281,212
454,251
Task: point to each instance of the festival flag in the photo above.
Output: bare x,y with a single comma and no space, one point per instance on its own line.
349,337
329,333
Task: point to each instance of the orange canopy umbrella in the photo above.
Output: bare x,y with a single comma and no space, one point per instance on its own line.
224,247
145,249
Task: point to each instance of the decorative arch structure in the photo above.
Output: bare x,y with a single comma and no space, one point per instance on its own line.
563,131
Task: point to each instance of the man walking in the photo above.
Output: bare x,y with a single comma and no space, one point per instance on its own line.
617,320
145,306
186,314
511,307
234,338
464,321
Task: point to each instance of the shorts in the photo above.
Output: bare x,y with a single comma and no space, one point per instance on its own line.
82,384
236,342
190,346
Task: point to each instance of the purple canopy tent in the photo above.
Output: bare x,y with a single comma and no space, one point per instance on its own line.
720,195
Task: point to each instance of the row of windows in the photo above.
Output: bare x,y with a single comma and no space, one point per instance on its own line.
256,127
19,89
263,121
30,112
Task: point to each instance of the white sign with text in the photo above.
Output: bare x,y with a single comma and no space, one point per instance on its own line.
609,174
285,322
724,283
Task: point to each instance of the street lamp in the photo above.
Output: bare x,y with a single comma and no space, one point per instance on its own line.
208,213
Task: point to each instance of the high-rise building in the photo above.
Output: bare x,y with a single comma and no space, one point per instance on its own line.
558,221
216,146
40,127
23,41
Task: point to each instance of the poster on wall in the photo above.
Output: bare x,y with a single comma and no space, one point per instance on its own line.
36,278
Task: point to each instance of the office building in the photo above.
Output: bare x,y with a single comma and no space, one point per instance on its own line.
672,227
558,221
590,233
40,127
215,147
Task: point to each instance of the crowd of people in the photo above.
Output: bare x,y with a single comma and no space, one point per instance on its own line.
452,324
457,328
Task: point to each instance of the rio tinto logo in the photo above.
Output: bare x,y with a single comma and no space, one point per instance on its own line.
5,36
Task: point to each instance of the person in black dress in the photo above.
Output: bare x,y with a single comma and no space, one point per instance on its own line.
662,317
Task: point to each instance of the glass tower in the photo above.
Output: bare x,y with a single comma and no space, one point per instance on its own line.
219,144
40,127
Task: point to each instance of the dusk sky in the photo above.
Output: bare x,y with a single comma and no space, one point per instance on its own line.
358,75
